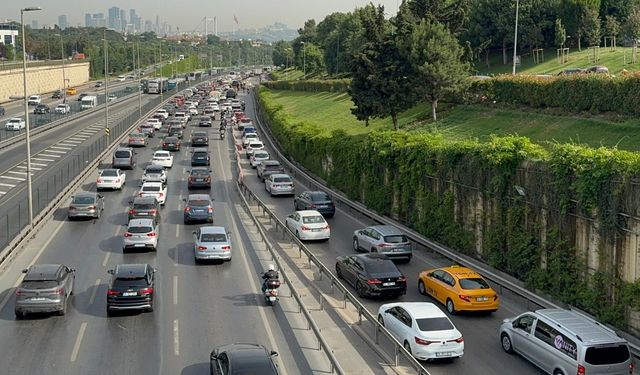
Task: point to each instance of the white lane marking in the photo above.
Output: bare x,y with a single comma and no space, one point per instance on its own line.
176,338
9,185
13,178
177,231
73,142
41,159
39,164
16,172
33,261
49,156
57,151
95,291
87,132
106,259
3,192
76,140
25,167
175,290
61,148
76,346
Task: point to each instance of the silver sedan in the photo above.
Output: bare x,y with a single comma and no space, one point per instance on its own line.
211,243
86,204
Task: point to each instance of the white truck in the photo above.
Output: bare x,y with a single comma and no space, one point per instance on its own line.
88,101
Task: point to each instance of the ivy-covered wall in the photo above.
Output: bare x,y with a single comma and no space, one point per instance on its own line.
564,220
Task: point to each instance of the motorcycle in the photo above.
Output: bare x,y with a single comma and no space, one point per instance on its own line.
271,291
222,131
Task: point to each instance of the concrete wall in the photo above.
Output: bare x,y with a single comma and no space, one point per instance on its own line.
41,80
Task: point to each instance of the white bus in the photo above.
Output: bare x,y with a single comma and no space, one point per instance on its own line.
156,86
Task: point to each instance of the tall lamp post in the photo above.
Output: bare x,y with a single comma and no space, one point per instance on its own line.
139,83
64,78
304,60
515,39
106,86
26,114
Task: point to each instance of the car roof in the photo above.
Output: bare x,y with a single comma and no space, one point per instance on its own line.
276,175
386,230
198,197
130,270
42,272
85,194
247,358
200,150
420,309
586,329
154,167
140,222
309,213
171,138
144,200
213,229
461,272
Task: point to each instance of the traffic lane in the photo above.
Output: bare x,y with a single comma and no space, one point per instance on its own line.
482,349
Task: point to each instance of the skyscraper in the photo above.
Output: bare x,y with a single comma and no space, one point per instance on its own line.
114,15
157,29
99,20
34,24
123,19
88,20
62,22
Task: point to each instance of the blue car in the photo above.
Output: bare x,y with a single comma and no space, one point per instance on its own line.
199,208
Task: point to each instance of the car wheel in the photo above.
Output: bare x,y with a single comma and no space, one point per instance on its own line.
506,343
407,347
360,290
451,308
558,372
356,245
124,250
338,272
109,312
63,312
421,288
381,320
19,315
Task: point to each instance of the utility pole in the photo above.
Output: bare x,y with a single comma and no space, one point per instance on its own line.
515,39
106,86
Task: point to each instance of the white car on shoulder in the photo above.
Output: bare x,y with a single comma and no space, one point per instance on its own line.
425,330
258,157
155,189
308,225
156,123
162,158
249,137
254,146
110,178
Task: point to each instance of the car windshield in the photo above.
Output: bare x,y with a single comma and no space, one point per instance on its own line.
199,135
200,154
474,283
39,284
162,154
213,237
144,206
109,173
154,169
400,238
282,179
171,140
381,267
313,220
260,155
272,166
317,197
136,135
130,282
198,202
255,145
122,154
199,172
607,355
139,229
83,200
151,188
434,324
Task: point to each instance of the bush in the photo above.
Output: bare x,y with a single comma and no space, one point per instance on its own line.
315,85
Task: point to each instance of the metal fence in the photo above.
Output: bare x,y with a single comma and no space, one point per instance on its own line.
17,65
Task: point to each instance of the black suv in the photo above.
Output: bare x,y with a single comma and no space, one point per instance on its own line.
200,157
199,139
41,109
242,359
131,288
145,208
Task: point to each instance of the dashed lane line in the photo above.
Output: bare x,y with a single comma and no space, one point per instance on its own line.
76,346
42,159
13,178
9,185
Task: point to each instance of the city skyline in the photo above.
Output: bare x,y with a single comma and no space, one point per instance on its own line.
242,14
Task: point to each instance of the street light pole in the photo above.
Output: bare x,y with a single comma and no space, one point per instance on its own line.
64,77
106,86
515,39
26,115
139,83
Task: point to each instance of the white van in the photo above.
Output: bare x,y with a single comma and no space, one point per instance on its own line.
566,342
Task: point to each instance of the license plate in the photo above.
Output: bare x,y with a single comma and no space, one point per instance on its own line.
388,284
317,229
129,294
171,144
398,250
199,179
443,354
139,245
37,299
482,299
272,299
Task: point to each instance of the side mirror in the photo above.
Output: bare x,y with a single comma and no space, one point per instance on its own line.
154,270
111,272
274,353
72,270
193,231
25,270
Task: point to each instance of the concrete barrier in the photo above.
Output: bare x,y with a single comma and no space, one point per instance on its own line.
42,79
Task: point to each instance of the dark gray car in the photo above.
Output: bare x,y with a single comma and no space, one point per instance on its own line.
45,288
145,208
86,204
267,168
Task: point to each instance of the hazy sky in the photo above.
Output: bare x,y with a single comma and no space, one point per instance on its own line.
187,14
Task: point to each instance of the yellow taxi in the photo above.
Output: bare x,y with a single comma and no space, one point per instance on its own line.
459,289
71,91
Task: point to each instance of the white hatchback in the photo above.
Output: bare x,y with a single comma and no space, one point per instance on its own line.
308,225
156,189
424,330
156,123
258,157
162,158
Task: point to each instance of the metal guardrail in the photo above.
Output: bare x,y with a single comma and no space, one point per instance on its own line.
503,282
335,364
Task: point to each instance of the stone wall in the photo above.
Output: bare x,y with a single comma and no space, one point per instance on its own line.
41,80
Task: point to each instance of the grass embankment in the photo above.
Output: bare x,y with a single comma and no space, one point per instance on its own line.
614,60
332,111
189,64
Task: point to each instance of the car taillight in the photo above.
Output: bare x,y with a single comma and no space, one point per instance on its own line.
402,279
160,194
145,291
208,179
581,370
464,297
152,234
459,340
112,292
72,207
374,281
187,209
495,297
59,291
312,206
210,209
164,145
422,341
127,234
99,181
132,212
305,228
141,194
202,248
631,367
92,207
190,179
385,245
326,227
153,212
18,292
117,180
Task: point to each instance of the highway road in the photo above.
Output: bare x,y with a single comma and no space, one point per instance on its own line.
483,353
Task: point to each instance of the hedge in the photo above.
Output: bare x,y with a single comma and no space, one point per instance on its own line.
576,93
333,85
423,180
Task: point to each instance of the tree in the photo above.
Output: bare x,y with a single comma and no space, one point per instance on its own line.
631,26
282,54
560,34
611,26
313,59
454,14
590,25
436,57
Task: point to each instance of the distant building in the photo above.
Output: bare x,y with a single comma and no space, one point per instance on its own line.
148,26
88,20
113,16
62,22
8,33
34,24
123,19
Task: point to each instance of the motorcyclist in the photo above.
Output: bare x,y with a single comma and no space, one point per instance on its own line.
270,274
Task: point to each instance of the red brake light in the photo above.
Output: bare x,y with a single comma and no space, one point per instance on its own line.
132,212
59,291
326,227
226,247
111,292
18,292
99,181
385,245
160,194
92,207
187,209
145,291
581,370
127,234
117,180
464,297
459,340
422,342
374,281
632,366
305,228
202,248
152,234
402,279
210,209
190,179
495,297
